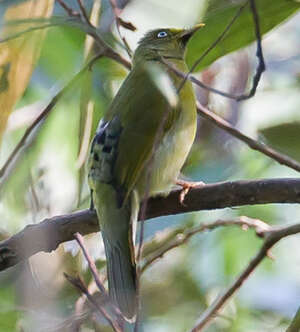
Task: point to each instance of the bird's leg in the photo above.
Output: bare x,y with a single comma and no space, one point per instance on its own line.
186,186
92,207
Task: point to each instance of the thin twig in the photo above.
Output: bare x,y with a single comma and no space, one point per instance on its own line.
271,236
70,11
253,144
212,46
78,283
32,129
80,310
78,237
25,31
259,54
195,80
184,236
105,49
90,262
120,22
84,13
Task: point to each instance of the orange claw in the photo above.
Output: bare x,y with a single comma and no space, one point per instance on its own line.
186,186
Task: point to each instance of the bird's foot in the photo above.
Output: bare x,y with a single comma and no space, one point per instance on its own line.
92,206
186,186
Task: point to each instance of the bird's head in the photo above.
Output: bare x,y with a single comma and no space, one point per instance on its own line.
166,43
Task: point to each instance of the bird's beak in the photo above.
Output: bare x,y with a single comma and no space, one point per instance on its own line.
187,34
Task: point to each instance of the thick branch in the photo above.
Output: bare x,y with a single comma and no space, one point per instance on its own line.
47,235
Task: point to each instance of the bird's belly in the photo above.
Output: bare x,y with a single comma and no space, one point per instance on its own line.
162,171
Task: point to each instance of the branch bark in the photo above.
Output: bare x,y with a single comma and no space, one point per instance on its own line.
48,234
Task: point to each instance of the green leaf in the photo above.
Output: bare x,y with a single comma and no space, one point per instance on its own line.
8,315
18,57
241,33
285,138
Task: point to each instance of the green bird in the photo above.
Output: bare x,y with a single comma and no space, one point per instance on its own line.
139,149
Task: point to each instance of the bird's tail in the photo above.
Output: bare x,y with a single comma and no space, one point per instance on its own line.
121,273
117,223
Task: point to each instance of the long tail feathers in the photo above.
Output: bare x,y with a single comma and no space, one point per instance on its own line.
121,274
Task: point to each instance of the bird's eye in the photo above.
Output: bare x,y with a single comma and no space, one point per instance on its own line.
162,34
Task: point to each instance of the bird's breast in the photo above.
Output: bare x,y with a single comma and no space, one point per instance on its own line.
171,150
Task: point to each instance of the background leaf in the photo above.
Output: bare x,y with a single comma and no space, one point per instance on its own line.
284,137
18,57
219,14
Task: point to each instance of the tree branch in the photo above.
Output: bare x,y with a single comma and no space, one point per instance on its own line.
78,283
47,235
252,143
271,238
211,47
182,235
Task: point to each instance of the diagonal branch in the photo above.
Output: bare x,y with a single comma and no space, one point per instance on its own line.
259,54
93,269
252,143
271,238
78,283
48,234
211,47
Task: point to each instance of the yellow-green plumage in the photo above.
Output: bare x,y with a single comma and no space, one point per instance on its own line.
138,150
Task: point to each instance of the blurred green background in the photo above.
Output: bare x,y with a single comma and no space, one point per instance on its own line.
49,179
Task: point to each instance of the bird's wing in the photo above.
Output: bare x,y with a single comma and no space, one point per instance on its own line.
136,122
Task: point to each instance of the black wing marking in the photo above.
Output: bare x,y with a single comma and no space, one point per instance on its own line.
104,150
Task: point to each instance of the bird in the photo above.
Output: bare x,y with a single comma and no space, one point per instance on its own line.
138,150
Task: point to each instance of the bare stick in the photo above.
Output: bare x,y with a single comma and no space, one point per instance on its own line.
94,271
183,237
259,53
68,9
91,263
105,49
212,46
78,283
124,24
50,233
84,13
271,236
253,144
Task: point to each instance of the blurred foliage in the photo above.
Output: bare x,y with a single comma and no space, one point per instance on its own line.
284,137
19,53
295,325
242,32
49,177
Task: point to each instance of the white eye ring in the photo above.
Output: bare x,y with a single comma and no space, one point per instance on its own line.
162,34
